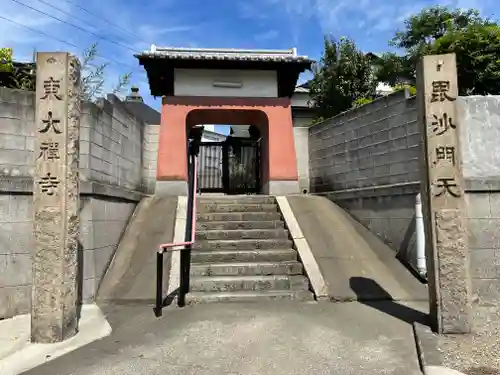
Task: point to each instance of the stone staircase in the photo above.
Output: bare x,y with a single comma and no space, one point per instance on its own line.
243,253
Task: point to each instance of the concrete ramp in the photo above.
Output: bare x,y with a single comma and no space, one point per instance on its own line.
355,263
131,277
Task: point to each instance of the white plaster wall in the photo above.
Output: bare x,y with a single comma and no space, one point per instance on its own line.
150,156
479,139
212,136
203,82
302,121
301,137
301,99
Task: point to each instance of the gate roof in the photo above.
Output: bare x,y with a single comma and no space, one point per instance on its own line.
160,63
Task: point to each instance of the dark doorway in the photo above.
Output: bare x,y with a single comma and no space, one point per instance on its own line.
230,167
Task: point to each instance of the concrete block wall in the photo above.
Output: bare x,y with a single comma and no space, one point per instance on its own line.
111,140
367,161
111,170
103,222
385,204
150,156
17,127
111,144
16,242
376,144
389,212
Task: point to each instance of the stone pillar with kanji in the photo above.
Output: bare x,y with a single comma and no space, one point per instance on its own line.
56,198
443,196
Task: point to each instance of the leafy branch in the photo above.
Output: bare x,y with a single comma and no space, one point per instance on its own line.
92,81
122,84
24,78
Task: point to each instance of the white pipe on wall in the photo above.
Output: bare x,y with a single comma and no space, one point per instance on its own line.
420,237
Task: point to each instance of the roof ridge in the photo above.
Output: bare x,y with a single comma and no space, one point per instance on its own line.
290,51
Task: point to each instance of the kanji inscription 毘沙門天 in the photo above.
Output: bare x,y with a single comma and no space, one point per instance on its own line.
440,92
441,124
443,195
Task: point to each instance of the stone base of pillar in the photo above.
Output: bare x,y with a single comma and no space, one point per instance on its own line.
281,188
173,187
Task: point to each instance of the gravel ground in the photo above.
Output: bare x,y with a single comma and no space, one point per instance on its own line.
476,354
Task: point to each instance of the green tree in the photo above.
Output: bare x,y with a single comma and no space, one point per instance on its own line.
437,30
478,58
430,24
6,60
394,69
342,76
92,82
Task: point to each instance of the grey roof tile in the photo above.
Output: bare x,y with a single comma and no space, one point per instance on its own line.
223,54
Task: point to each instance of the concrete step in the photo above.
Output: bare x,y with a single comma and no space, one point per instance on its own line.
280,243
236,207
256,199
237,283
238,216
219,256
236,225
247,269
248,296
265,234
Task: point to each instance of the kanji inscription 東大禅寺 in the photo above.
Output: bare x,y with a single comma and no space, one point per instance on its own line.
48,183
56,197
49,151
51,123
51,89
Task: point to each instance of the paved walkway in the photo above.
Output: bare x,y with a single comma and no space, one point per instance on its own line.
256,339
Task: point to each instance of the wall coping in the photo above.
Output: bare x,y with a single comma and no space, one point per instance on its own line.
24,185
373,191
472,185
487,184
401,95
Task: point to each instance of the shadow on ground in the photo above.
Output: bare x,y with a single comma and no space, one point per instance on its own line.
370,293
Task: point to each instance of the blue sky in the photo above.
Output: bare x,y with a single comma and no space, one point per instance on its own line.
272,24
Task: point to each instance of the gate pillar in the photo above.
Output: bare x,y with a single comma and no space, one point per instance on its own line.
171,177
282,176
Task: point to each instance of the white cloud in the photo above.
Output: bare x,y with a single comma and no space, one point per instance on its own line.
348,16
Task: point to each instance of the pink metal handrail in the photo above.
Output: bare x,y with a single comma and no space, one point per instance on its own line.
168,246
